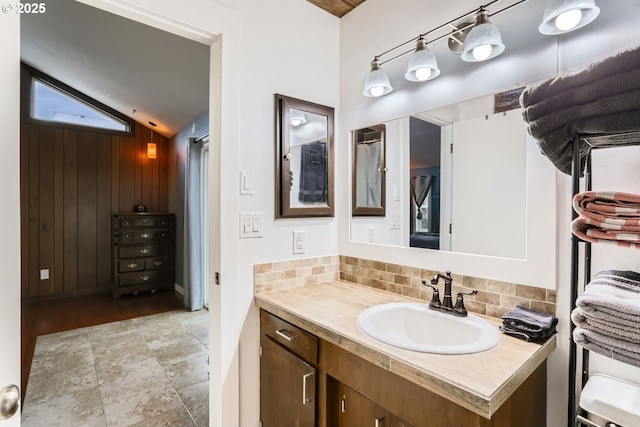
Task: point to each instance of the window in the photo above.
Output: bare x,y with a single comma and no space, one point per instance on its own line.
52,101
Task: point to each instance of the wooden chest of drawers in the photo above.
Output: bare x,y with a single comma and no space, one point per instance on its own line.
143,252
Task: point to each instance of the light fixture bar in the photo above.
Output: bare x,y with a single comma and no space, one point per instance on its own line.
448,34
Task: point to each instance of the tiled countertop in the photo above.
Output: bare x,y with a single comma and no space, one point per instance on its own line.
480,382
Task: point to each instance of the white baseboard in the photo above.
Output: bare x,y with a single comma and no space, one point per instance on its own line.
179,289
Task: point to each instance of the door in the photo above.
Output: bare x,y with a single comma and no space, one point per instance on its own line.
358,411
10,217
287,388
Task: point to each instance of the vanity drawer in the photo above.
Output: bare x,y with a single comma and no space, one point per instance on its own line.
143,251
296,340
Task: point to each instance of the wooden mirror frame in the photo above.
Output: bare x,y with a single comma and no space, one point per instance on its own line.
284,209
359,136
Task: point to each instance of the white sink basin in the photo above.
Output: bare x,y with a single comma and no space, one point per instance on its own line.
413,326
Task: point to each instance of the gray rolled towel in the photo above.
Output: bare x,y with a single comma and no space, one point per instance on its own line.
531,322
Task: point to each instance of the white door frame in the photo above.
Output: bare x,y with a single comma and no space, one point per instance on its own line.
10,218
207,22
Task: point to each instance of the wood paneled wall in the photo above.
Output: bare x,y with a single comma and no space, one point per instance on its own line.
71,182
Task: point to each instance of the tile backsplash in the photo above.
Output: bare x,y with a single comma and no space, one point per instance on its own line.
494,298
284,275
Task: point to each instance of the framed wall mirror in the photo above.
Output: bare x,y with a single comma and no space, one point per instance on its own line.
304,159
369,171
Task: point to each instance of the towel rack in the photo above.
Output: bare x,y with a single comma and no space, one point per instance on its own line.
594,142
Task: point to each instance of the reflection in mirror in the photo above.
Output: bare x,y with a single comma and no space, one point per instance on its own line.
304,158
463,184
308,159
369,170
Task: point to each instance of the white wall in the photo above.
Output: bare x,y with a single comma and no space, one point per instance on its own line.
375,27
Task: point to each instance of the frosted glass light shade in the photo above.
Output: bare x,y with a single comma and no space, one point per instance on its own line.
297,117
377,82
558,14
423,65
483,41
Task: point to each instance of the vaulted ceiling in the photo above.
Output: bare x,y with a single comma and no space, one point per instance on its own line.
140,71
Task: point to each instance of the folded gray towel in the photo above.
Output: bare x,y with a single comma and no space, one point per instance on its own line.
623,351
612,297
603,106
615,64
536,325
614,330
590,101
608,86
538,337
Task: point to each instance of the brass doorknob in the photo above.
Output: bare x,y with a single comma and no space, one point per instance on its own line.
9,401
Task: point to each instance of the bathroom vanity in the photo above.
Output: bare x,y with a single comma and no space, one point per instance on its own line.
319,369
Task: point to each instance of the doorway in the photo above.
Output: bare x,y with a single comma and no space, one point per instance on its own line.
166,87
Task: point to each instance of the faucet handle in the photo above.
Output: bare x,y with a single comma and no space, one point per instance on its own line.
435,298
459,309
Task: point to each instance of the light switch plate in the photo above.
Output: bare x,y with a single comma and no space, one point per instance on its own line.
44,274
246,182
395,220
250,225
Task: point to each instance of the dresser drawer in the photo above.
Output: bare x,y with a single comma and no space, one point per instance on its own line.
296,340
127,279
157,263
151,221
141,235
131,265
143,251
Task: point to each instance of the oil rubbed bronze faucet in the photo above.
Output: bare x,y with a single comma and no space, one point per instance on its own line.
446,306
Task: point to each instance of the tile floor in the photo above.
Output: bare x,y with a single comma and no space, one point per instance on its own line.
144,372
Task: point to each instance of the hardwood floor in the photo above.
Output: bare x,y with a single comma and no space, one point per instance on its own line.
56,315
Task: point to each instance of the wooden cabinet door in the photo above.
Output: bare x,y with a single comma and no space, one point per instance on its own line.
287,388
358,411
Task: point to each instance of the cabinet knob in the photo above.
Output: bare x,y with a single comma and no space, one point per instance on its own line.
9,401
132,265
145,235
144,251
145,278
157,263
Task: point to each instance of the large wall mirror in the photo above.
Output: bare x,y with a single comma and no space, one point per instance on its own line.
304,158
459,180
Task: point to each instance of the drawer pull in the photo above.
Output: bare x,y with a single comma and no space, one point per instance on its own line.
145,235
379,422
145,278
306,399
285,334
145,251
132,265
157,263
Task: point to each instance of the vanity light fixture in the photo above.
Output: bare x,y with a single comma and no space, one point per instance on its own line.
423,65
563,16
483,41
297,118
377,82
475,41
152,149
